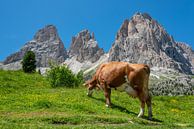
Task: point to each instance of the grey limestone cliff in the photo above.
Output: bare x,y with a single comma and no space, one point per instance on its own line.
143,40
85,47
46,45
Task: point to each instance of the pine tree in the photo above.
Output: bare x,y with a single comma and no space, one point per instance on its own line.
29,62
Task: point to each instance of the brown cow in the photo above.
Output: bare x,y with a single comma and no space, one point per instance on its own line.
132,78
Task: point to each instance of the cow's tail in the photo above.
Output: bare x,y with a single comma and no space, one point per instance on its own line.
146,81
147,69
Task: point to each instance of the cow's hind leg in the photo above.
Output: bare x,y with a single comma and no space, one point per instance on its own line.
142,108
149,105
107,93
145,98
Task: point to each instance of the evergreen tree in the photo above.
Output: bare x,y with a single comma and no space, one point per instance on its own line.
29,62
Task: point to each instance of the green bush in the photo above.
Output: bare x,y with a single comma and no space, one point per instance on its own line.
29,62
62,76
80,77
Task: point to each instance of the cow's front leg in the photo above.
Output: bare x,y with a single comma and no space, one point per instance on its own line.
107,93
141,113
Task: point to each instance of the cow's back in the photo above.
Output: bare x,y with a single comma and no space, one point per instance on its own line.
113,73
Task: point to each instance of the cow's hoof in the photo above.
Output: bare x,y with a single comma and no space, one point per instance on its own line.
140,116
108,106
149,118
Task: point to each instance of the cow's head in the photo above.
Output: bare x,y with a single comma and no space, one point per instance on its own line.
91,84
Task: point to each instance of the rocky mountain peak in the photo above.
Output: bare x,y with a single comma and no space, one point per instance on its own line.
85,47
48,33
143,40
46,45
141,17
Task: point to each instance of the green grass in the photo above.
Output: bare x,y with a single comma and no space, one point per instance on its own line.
27,101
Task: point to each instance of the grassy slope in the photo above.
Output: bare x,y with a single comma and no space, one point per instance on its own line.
27,101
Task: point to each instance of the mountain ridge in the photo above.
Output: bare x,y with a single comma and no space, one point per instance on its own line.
143,40
140,39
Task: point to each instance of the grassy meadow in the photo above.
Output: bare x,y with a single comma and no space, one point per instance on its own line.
27,101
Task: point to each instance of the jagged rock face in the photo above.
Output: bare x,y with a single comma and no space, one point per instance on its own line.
143,40
85,47
187,51
46,45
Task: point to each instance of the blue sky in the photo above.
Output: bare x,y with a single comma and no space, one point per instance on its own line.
20,19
